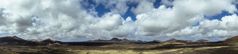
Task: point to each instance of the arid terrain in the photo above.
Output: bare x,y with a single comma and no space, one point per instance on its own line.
15,45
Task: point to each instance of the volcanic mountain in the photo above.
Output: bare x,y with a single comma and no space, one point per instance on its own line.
14,40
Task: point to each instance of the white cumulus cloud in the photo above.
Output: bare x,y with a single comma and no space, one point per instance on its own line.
67,20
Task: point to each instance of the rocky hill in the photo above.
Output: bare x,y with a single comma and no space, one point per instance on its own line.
14,40
232,41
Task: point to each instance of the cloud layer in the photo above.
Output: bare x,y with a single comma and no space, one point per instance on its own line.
69,20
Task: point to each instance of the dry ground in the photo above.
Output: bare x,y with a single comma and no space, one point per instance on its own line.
116,49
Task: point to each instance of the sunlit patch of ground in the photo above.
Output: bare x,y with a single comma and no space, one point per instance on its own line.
164,51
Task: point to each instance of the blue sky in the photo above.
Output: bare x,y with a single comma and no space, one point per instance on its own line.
101,9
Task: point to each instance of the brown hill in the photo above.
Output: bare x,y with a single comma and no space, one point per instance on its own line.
12,40
232,41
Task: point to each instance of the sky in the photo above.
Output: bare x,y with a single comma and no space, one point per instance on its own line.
146,20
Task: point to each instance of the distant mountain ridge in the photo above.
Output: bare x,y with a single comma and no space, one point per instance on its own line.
14,40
